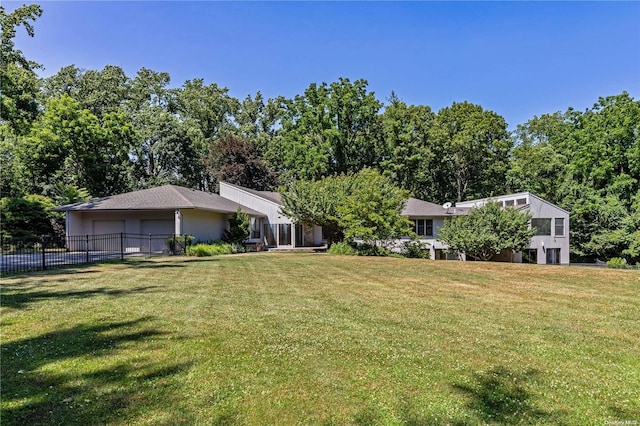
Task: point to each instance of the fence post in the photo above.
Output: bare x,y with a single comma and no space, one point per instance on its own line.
43,241
149,245
86,249
174,247
121,246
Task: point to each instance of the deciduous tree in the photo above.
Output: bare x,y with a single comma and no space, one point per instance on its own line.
487,231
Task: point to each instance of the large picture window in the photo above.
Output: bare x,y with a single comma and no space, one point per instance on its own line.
423,227
543,226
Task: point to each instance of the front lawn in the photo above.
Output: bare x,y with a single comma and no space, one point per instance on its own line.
319,339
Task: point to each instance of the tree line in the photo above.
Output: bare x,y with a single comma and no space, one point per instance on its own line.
83,133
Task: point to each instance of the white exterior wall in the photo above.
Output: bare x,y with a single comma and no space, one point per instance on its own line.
540,209
543,209
82,222
267,207
247,199
203,225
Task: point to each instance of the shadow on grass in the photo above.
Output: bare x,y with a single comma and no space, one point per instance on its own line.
20,297
180,262
36,391
500,396
84,268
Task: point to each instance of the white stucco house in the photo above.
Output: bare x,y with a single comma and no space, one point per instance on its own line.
174,210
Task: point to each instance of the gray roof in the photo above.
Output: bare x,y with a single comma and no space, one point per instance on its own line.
167,197
415,207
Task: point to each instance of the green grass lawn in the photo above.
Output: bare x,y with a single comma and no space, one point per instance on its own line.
319,339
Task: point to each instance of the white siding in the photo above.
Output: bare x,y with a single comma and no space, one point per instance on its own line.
204,225
540,208
247,199
81,223
269,208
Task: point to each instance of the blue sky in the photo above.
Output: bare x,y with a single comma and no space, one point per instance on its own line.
518,59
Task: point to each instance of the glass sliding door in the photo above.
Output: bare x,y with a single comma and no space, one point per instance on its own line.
299,236
553,256
284,234
270,234
530,256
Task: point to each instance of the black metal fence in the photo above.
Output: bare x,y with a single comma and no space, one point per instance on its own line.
47,252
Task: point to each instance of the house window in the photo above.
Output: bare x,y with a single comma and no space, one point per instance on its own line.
423,227
559,227
543,226
255,228
521,201
509,203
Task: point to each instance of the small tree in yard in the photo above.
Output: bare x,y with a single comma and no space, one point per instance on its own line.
372,211
239,228
316,202
364,205
487,231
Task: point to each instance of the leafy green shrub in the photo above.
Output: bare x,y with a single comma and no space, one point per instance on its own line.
215,249
342,248
239,228
238,248
416,250
181,241
365,249
27,217
362,249
617,262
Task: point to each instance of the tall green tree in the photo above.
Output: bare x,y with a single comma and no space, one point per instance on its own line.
473,147
71,145
103,91
257,120
207,113
409,159
29,216
18,79
329,129
487,231
167,150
